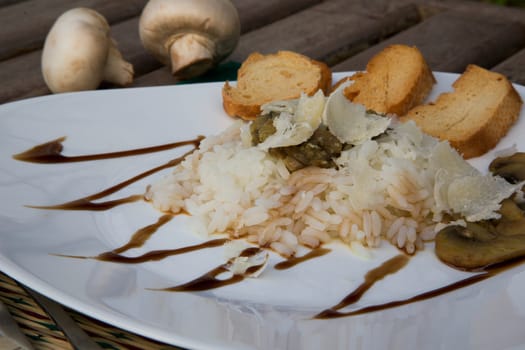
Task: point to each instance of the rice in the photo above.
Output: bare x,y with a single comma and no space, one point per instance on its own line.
382,191
230,187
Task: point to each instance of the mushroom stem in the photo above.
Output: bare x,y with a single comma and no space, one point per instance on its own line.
191,55
117,70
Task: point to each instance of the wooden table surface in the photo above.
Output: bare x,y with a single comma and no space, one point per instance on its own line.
342,33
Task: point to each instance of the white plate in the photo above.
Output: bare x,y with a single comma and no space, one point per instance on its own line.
272,312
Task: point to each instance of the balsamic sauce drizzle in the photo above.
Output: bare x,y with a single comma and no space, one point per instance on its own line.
210,280
294,260
154,255
488,272
142,235
51,153
333,313
388,267
137,240
484,274
86,203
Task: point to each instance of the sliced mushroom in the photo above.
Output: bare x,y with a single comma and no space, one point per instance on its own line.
474,249
512,221
79,53
190,36
511,168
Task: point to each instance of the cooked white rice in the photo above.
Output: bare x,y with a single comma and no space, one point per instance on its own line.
383,190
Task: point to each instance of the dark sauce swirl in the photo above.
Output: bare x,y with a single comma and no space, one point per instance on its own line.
294,260
51,152
86,203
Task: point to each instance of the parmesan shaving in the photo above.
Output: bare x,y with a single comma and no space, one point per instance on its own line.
295,123
461,189
350,122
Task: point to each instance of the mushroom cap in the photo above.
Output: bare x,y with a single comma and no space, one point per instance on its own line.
163,21
75,51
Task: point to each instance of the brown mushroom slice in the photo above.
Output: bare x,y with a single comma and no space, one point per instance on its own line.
512,221
511,168
510,210
511,227
477,247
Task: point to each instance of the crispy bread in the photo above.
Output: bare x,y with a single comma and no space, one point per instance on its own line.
280,76
396,79
475,116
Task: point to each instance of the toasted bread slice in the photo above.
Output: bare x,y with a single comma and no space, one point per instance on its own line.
475,116
280,76
396,79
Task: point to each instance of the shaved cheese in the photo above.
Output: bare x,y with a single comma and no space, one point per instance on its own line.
287,106
310,109
295,124
443,156
478,197
350,122
461,189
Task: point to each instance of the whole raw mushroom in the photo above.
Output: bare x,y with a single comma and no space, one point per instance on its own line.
190,36
79,53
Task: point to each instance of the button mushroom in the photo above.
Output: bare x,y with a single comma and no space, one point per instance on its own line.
190,36
79,53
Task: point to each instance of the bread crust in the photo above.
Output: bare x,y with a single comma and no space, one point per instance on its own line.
475,116
235,109
248,110
396,79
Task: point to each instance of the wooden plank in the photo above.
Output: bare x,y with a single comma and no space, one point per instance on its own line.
161,76
255,14
20,75
126,34
513,67
9,2
37,17
480,8
451,40
476,7
328,31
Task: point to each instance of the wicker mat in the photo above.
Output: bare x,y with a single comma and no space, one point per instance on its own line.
44,334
